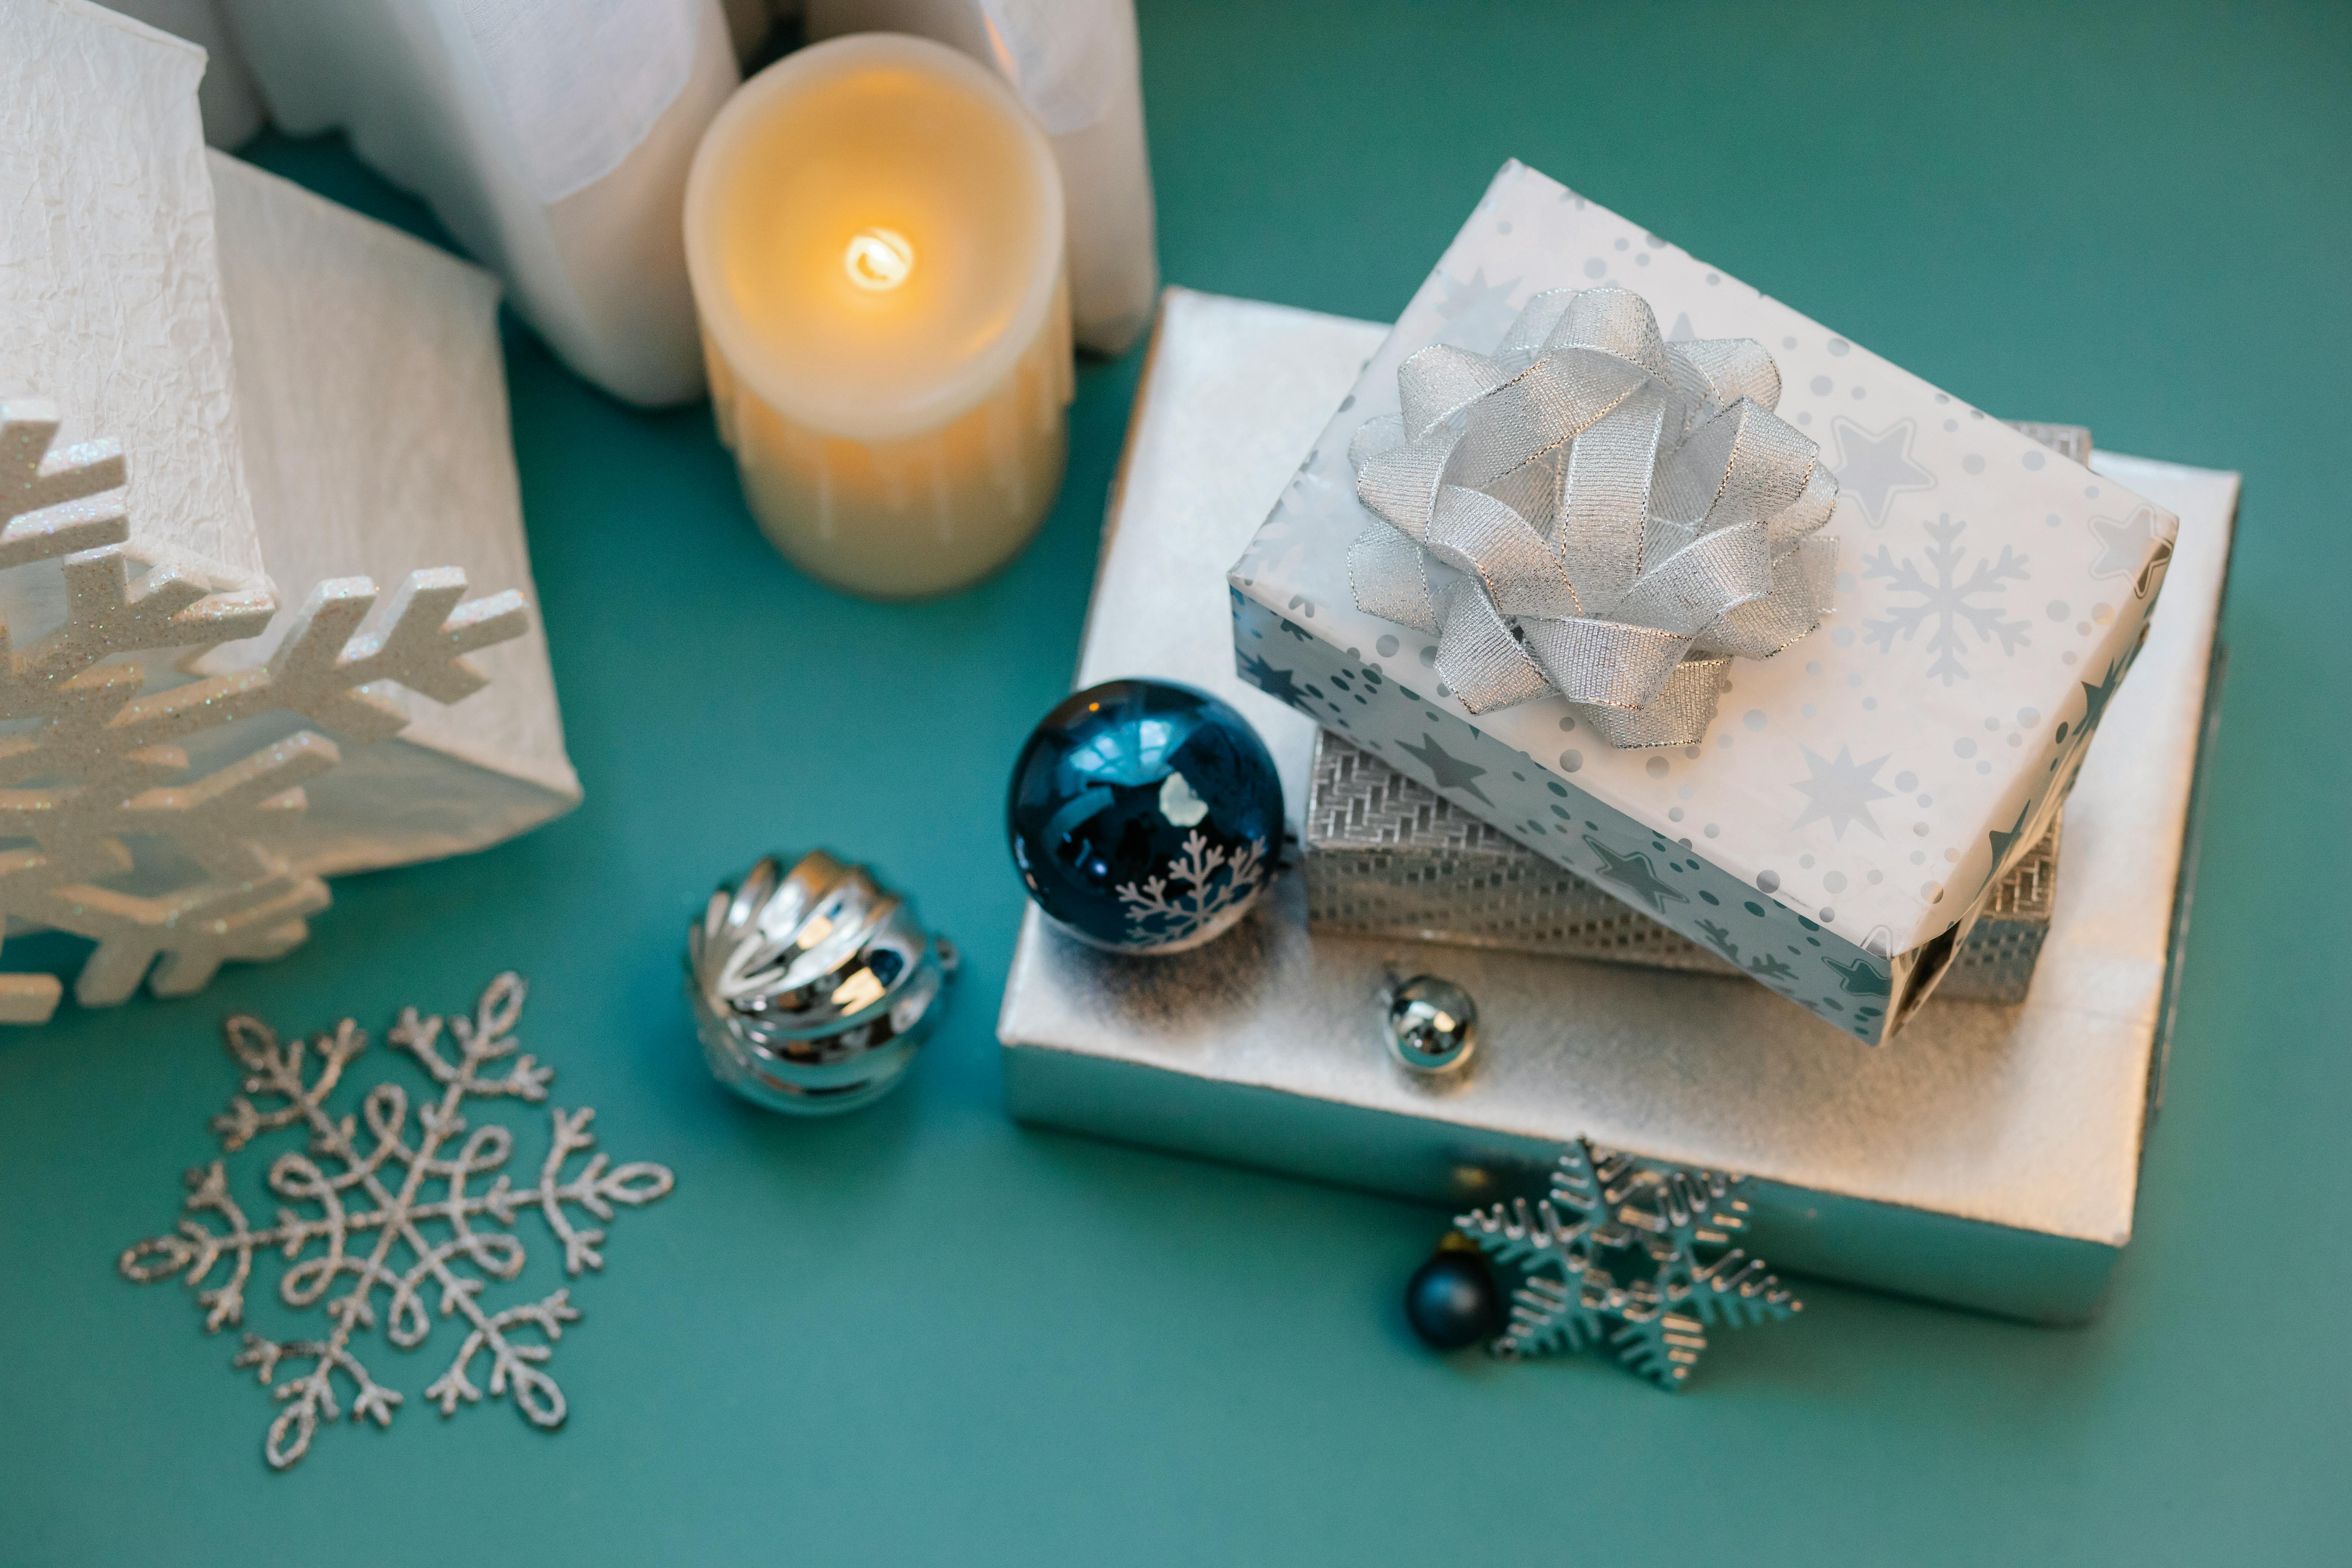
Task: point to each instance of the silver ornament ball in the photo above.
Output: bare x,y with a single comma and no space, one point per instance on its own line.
813,989
1433,1024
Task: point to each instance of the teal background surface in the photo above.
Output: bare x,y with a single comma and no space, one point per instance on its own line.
927,1335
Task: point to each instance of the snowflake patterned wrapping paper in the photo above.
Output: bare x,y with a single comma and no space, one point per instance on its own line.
1856,796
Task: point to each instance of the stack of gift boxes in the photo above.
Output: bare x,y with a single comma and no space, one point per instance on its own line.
1865,826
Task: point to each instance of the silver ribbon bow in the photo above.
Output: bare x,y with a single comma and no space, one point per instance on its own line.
1595,512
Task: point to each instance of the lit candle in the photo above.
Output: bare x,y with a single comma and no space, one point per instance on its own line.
1074,63
874,231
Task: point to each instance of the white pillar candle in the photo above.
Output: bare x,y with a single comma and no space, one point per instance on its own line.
873,232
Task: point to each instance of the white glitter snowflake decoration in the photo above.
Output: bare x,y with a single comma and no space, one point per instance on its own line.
1629,1253
397,1216
97,711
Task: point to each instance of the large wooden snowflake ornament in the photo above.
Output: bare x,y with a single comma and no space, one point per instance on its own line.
92,760
1631,1252
401,1212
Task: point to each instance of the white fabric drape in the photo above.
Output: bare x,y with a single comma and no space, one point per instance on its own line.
551,136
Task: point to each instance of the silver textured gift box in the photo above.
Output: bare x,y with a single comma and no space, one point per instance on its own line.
1986,1156
1385,856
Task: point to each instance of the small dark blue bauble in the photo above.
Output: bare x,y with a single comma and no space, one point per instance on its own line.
1451,1300
1144,816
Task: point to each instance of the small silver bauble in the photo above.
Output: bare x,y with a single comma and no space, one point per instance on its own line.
1432,1024
812,990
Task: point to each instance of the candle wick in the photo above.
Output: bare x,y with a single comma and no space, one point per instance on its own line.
879,259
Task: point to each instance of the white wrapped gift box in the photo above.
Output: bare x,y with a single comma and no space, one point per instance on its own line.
1855,797
373,399
298,392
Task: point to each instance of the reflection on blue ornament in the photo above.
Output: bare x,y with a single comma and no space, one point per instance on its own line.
1144,816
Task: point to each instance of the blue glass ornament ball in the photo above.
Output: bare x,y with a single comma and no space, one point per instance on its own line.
1451,1301
1144,816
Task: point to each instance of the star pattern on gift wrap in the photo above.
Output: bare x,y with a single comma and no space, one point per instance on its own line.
1633,873
1875,466
1635,1255
1475,311
1861,979
2097,697
1841,791
1450,771
2003,839
1277,683
95,783
2130,549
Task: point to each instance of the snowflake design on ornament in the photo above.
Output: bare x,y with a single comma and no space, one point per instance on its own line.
1634,1254
1949,603
94,760
1159,913
398,1215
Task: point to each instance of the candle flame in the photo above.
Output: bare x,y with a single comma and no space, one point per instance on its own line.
879,259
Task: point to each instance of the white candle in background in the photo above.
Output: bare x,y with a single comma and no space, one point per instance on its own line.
551,136
1075,64
874,228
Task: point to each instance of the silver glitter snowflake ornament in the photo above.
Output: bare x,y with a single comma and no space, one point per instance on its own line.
1634,1254
401,1212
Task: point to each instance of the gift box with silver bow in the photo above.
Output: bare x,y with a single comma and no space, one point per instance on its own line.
1767,637
1384,857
